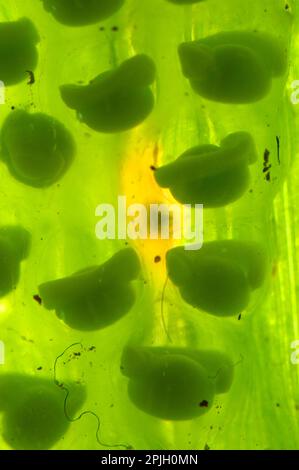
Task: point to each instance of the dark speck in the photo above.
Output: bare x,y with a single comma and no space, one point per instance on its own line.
157,259
37,299
114,28
266,156
204,404
31,80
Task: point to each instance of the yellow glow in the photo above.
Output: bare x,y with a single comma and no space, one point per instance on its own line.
139,186
3,308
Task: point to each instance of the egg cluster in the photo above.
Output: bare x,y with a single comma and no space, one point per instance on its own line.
169,383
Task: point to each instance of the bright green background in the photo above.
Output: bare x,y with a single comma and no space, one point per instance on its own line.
61,220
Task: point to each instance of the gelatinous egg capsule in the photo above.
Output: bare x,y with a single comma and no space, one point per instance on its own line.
34,417
37,148
14,247
210,175
18,53
233,67
82,12
219,278
175,383
95,297
116,100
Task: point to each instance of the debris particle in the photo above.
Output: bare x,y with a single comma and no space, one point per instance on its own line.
266,157
31,80
204,404
278,149
157,259
37,299
267,166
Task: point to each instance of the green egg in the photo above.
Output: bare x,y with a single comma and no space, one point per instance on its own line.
18,53
219,287
210,175
100,309
135,357
219,366
14,247
37,148
169,387
233,67
95,297
250,254
82,12
34,417
37,422
218,190
272,50
220,277
117,100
